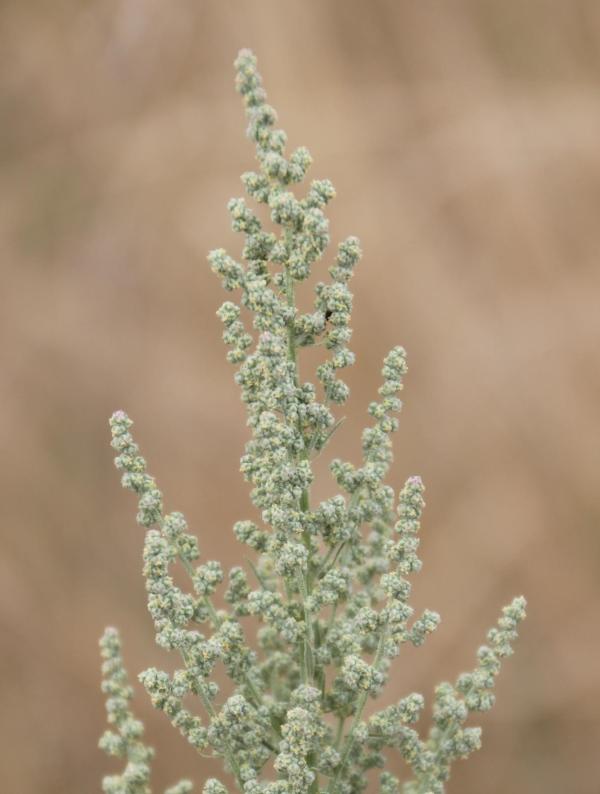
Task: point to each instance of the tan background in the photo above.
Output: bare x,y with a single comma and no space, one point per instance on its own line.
464,142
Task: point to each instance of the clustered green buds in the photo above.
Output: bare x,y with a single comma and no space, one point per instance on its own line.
126,740
330,582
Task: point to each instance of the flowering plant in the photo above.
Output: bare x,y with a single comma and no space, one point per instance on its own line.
329,585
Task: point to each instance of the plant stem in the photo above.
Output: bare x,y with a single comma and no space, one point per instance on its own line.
304,579
339,732
307,656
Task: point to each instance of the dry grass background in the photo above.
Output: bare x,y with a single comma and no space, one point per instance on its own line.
463,139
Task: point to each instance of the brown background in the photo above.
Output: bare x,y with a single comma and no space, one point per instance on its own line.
464,141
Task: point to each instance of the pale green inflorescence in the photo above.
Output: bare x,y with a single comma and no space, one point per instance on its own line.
330,582
125,740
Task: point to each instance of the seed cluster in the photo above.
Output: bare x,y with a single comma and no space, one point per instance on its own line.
329,582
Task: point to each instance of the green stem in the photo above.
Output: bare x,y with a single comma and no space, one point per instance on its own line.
308,644
339,732
327,565
331,620
304,580
304,583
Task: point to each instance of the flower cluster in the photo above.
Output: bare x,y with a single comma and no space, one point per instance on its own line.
328,588
125,741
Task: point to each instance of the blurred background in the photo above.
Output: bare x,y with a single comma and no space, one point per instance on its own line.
463,140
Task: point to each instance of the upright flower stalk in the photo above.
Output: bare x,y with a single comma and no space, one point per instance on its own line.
329,582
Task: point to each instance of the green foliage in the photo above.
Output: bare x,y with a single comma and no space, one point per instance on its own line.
330,582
